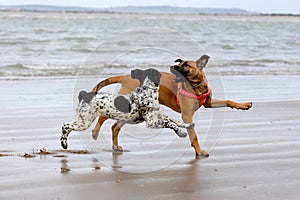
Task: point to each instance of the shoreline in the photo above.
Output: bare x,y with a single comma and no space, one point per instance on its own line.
257,88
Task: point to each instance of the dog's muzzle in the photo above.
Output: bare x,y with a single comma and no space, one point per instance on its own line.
175,69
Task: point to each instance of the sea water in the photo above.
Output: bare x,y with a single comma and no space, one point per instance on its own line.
62,44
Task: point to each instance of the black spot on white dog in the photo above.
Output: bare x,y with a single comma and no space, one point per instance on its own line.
122,104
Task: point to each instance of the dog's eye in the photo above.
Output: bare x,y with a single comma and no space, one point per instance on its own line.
186,65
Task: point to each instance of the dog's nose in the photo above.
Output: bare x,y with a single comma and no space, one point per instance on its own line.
174,67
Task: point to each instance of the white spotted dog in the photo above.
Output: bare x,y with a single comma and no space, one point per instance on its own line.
141,105
146,99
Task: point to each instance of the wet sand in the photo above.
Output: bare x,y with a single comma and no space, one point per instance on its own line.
257,155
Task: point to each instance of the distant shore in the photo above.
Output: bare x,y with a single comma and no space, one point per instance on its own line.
140,10
150,13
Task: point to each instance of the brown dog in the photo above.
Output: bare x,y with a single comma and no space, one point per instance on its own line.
184,91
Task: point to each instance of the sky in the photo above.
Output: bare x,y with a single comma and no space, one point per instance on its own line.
265,6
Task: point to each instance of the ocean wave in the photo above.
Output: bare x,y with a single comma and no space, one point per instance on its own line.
229,69
259,63
50,31
259,67
12,42
77,39
228,47
25,70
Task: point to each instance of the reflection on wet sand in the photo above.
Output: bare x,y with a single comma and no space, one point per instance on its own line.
115,160
64,166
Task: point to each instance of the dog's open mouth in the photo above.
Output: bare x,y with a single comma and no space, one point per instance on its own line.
179,76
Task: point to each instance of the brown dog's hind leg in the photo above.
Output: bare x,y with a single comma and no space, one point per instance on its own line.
116,127
96,130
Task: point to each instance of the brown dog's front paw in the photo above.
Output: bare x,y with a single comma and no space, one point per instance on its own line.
242,106
202,154
247,106
117,148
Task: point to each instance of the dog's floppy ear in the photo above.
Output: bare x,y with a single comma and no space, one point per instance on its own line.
178,60
138,74
86,96
154,75
202,61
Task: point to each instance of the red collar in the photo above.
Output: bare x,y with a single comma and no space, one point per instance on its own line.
201,98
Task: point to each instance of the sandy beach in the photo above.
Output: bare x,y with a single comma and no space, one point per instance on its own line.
48,57
256,156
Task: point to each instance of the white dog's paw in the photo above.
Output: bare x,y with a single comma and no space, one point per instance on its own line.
64,142
181,133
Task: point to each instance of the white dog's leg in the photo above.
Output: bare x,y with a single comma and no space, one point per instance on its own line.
175,125
181,124
157,120
83,119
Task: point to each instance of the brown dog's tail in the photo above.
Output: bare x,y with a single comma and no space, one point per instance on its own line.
106,82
